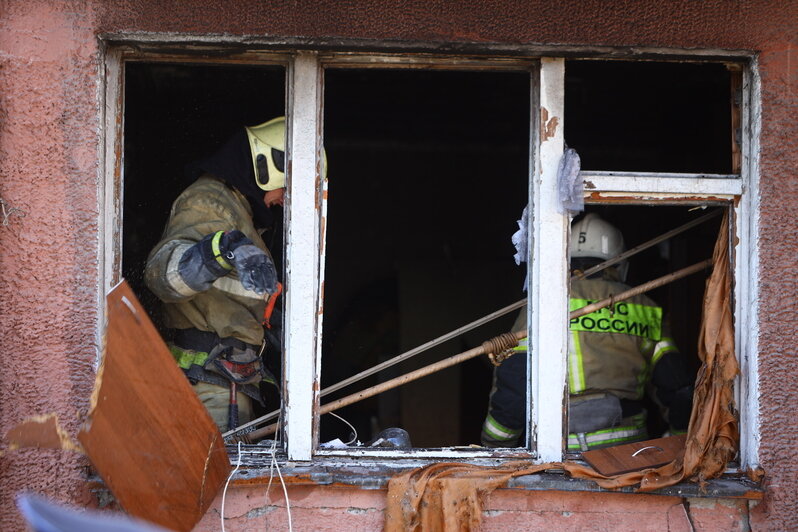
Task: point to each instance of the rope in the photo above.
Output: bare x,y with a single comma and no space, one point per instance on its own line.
503,345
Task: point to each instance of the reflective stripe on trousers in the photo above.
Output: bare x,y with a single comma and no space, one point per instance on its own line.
630,430
496,432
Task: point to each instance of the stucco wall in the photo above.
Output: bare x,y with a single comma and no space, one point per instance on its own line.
50,135
682,23
48,286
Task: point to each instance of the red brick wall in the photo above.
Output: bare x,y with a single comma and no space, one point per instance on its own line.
50,138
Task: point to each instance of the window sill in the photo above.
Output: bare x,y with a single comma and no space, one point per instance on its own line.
372,474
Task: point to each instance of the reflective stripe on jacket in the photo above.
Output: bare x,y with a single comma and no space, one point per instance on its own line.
227,308
612,349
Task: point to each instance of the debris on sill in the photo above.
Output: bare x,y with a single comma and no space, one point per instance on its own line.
334,444
390,438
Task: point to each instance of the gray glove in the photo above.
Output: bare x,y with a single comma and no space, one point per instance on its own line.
255,268
217,254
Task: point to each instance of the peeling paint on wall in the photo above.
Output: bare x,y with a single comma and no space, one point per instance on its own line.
548,126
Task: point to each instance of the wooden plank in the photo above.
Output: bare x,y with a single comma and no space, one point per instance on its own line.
635,456
148,435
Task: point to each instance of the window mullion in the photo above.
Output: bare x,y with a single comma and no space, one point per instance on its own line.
302,256
549,286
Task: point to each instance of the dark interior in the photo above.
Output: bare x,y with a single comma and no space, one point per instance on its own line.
174,115
428,173
649,116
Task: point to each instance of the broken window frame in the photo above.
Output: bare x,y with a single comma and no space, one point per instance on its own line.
305,233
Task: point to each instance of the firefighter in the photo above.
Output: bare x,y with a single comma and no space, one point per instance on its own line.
614,354
214,273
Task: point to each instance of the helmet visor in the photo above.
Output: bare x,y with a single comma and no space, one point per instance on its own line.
262,165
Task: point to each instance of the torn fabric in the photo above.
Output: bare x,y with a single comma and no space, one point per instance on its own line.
520,240
450,496
570,187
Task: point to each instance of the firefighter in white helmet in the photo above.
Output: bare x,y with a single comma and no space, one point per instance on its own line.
214,273
614,356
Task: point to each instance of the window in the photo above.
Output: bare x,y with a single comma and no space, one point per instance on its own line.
428,174
431,161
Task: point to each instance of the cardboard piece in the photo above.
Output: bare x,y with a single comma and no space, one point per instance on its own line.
148,435
636,456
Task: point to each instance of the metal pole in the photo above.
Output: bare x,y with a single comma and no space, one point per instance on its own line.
390,362
385,386
645,287
476,351
645,245
490,317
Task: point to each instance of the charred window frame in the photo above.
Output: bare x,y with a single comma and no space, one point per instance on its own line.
305,241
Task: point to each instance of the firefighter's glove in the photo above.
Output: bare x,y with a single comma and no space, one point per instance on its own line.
255,269
218,254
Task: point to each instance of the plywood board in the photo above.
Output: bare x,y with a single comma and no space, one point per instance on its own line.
148,435
635,456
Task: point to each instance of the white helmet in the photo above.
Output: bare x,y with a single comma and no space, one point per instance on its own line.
595,238
267,145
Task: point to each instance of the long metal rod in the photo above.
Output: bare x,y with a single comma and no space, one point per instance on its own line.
387,385
393,361
476,351
645,245
474,324
429,345
645,287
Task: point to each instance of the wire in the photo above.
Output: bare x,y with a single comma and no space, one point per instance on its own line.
275,465
354,430
272,466
226,484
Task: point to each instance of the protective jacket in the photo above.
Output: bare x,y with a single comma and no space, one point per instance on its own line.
612,349
612,354
227,311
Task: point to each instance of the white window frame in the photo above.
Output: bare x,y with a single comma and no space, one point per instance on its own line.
305,237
